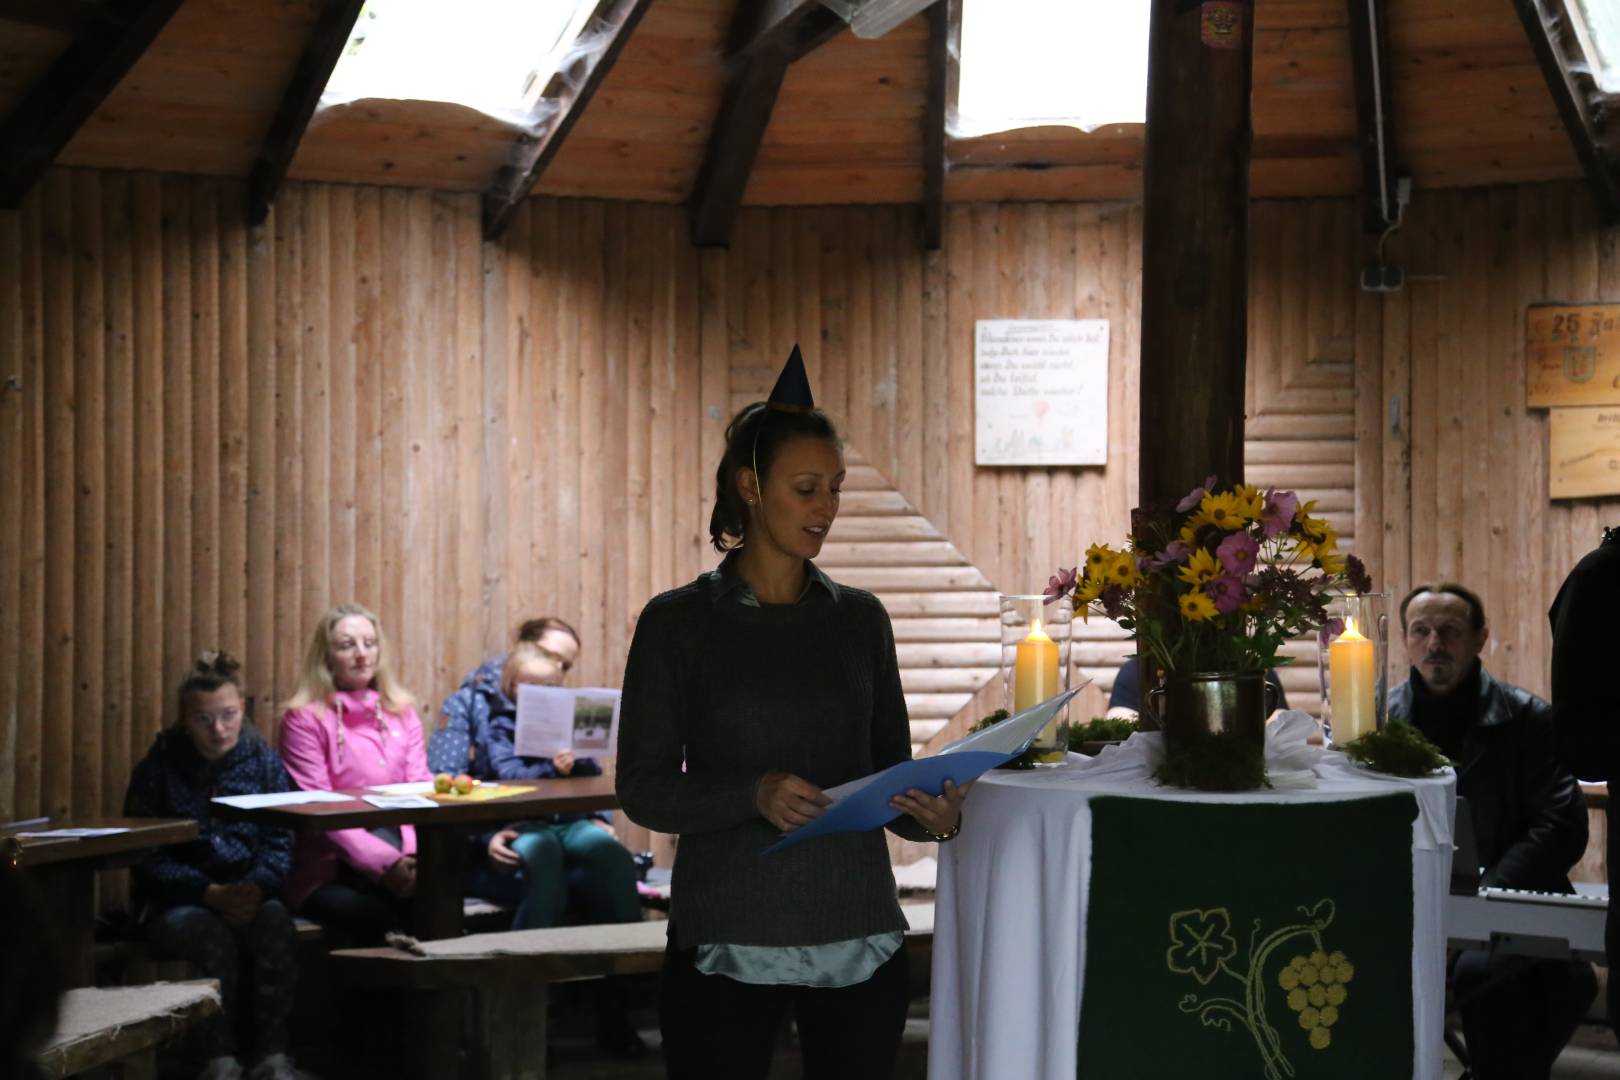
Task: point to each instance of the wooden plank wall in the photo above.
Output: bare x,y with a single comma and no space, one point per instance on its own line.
1462,463
211,434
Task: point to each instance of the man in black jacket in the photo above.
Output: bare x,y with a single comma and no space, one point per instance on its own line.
1586,699
1529,820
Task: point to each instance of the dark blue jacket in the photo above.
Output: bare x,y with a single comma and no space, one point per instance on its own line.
173,780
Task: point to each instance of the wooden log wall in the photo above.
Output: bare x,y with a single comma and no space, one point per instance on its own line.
210,434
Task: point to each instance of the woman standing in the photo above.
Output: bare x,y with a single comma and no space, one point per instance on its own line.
214,901
350,724
746,693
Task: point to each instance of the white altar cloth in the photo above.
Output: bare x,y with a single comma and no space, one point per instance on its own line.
1009,935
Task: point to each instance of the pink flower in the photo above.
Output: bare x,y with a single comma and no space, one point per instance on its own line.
1061,584
1237,553
1195,496
1227,592
1278,514
1174,553
1330,630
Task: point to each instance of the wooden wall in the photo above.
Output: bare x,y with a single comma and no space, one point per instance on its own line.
209,435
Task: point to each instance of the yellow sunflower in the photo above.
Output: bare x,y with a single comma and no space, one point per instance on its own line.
1122,571
1098,556
1226,509
1200,567
1253,499
1088,590
1196,606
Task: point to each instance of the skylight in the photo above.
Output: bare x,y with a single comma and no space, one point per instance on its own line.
1597,28
495,56
1031,63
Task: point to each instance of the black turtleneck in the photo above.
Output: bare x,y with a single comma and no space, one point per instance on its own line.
1446,718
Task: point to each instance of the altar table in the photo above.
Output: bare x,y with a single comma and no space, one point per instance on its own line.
1014,891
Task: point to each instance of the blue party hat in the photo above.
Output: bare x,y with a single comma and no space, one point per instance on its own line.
792,389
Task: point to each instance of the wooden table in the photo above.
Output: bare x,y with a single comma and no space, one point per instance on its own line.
441,832
65,870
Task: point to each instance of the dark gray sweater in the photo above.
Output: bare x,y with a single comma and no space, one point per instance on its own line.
737,691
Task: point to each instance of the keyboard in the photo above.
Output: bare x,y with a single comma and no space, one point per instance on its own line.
1525,923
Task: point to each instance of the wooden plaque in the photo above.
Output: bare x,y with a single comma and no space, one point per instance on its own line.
1573,355
1584,456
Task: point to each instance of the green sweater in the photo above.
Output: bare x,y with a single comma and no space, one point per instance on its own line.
737,691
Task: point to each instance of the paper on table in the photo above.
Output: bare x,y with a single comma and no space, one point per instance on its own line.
401,802
864,804
68,834
279,798
411,787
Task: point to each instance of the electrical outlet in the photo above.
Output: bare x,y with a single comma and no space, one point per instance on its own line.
1376,277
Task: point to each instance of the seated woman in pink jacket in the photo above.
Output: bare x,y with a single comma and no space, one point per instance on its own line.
350,724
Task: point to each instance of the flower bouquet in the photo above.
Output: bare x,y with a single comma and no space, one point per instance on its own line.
1212,589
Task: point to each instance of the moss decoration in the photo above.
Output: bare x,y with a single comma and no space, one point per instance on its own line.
1399,750
1224,761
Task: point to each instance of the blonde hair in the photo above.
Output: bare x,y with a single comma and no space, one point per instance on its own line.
315,678
524,652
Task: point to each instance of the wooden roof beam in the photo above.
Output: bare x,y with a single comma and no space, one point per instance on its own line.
796,27
766,36
1571,103
939,33
1375,109
332,32
71,16
572,89
55,107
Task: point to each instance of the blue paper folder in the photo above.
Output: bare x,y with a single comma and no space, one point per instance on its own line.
864,804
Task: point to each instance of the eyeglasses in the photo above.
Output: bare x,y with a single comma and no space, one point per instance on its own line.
224,717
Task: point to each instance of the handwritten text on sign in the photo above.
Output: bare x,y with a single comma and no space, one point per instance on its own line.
1041,391
1584,453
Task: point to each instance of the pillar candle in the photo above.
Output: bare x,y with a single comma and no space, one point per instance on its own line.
1351,671
1035,669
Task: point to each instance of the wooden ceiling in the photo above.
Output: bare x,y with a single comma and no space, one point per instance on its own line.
1471,108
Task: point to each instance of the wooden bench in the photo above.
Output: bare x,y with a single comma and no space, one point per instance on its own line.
120,1028
508,975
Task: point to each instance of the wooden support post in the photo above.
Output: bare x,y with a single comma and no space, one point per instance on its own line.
1194,251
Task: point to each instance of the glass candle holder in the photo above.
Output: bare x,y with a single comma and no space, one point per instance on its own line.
1351,665
1035,640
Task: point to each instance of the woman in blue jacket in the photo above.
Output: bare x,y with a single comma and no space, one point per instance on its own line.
213,901
538,865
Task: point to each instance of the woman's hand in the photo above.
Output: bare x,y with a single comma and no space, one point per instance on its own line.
501,855
563,762
939,816
236,904
400,878
788,801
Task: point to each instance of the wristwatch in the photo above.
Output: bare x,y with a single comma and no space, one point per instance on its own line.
940,838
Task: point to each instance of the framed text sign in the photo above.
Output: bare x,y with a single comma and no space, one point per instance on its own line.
1041,391
1573,354
1583,453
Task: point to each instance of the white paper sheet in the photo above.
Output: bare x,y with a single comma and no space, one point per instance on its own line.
411,787
401,802
280,798
68,834
551,719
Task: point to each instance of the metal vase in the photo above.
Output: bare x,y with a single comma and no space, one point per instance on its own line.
1189,706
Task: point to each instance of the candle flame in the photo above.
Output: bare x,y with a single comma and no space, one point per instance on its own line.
1036,633
1350,625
